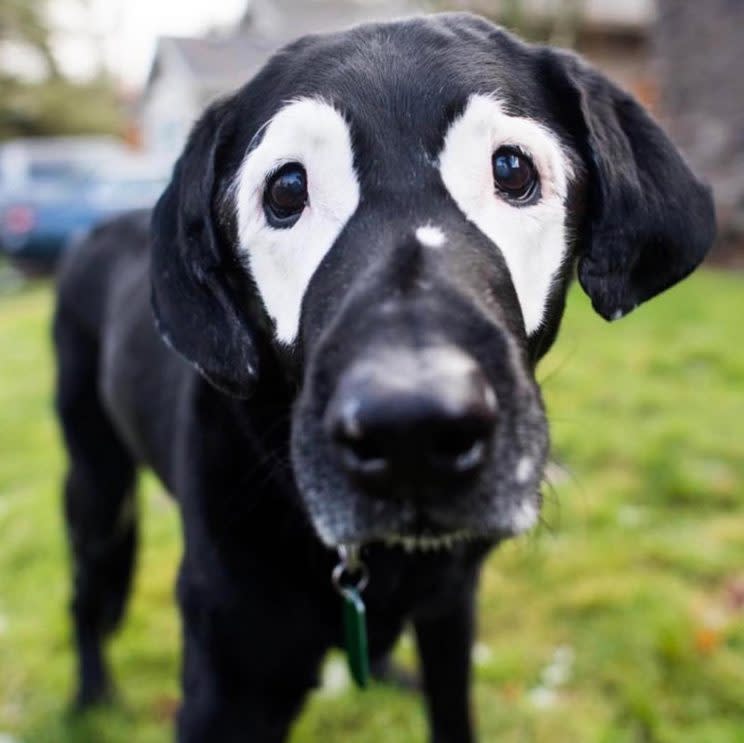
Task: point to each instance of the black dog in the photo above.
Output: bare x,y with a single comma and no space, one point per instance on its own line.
364,252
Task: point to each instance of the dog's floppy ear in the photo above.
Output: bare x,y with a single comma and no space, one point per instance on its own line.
193,296
650,220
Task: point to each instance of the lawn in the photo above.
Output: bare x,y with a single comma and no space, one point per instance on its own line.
621,620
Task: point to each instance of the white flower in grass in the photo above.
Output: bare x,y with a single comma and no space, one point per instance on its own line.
552,677
482,654
543,697
558,672
335,678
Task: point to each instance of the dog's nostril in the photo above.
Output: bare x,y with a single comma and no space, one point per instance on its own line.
458,451
364,449
363,457
360,453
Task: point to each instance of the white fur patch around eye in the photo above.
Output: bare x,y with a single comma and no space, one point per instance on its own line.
531,238
282,261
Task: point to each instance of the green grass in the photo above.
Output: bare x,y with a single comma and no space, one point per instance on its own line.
634,572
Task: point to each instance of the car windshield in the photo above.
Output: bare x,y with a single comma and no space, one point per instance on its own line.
51,179
125,189
45,171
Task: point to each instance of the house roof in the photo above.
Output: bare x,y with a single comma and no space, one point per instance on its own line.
223,62
608,15
287,19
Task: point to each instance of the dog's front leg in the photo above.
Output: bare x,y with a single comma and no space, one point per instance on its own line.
247,666
444,643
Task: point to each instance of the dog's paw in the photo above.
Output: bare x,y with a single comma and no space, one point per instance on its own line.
92,695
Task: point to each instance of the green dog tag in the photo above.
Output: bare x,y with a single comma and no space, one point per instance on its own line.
355,636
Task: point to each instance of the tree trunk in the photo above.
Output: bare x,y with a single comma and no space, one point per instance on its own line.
700,53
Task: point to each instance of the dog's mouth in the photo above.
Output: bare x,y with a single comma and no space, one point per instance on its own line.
431,542
425,535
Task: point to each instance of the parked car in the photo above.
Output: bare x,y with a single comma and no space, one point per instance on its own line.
26,162
39,220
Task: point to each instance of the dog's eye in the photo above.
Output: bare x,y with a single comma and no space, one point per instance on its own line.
514,174
285,196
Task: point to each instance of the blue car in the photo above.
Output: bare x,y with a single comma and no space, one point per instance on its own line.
60,201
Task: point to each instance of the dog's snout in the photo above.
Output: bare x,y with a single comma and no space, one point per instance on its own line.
412,417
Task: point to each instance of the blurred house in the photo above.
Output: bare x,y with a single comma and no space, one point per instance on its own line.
614,34
699,58
599,14
188,73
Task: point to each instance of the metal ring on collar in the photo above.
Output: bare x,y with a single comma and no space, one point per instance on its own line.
350,566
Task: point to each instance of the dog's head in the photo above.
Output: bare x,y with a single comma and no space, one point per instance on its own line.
394,214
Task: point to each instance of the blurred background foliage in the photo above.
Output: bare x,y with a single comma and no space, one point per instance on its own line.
57,106
49,103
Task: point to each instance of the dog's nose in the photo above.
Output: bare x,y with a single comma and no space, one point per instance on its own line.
412,417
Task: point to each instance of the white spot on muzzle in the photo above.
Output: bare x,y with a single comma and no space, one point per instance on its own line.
430,236
524,470
525,517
